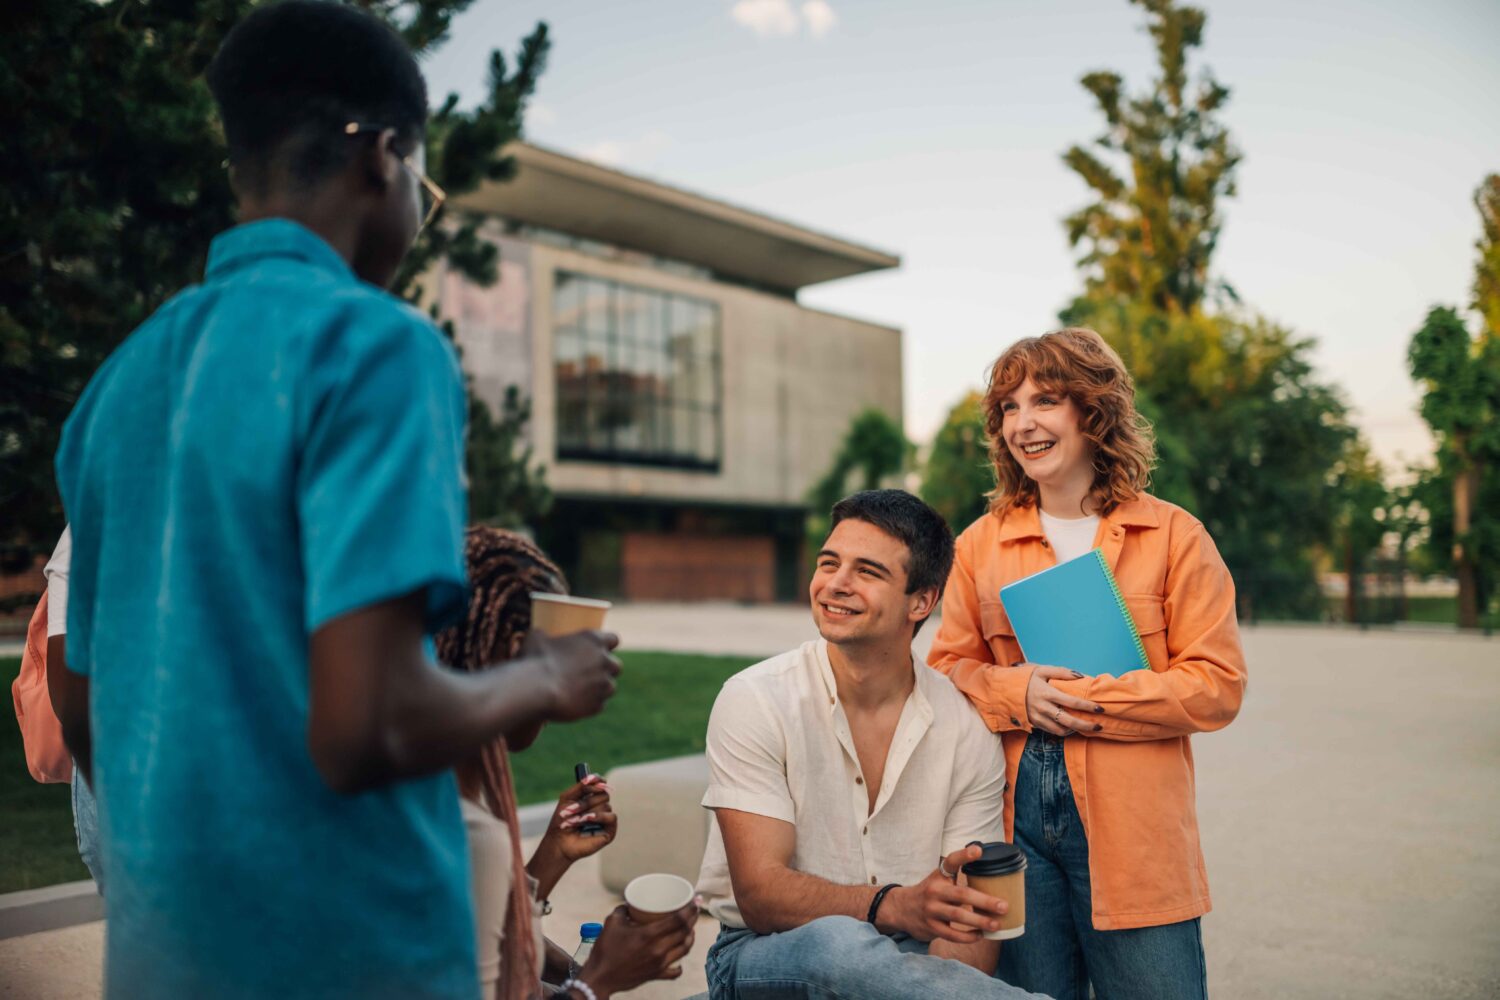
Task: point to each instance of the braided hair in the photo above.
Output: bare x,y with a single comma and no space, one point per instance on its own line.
504,569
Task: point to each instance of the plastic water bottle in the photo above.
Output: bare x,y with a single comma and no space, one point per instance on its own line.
588,934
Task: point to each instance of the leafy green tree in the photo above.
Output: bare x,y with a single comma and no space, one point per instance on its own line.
1487,268
1150,238
1460,378
112,185
1247,435
958,472
874,449
1359,520
504,488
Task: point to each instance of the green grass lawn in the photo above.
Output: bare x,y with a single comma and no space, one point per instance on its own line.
661,710
36,832
1436,610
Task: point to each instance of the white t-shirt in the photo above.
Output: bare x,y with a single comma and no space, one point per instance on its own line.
491,874
1069,537
779,746
56,572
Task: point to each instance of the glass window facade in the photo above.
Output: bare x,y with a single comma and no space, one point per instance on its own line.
637,374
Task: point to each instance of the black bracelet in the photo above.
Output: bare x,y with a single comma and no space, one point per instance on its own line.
879,898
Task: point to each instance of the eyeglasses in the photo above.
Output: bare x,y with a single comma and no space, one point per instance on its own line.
432,195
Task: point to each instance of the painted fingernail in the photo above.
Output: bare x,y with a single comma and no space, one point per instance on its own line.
1075,673
1099,709
570,809
1097,727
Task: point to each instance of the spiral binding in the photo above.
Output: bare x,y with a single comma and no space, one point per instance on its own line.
1140,647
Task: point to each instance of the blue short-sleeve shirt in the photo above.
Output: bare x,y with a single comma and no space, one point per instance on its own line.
272,449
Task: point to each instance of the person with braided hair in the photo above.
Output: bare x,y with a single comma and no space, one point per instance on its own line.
504,568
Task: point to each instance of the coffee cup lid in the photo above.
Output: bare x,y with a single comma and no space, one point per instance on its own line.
999,858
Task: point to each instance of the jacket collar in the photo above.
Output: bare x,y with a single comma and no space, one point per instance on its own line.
1026,522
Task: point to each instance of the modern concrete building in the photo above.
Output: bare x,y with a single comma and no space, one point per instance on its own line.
683,401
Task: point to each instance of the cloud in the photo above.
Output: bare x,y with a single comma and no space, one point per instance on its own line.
540,114
637,152
779,19
819,17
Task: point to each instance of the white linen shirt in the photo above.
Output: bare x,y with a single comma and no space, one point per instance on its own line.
779,746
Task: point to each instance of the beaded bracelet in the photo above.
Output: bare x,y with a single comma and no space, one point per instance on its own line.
579,985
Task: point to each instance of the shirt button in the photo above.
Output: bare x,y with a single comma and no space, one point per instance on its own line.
872,879
858,780
867,831
1045,544
1014,721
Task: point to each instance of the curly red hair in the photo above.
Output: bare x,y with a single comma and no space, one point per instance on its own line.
1078,364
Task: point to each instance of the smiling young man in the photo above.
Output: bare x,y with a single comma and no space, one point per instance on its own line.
846,783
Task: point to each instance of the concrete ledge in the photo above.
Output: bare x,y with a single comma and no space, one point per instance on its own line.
534,818
32,911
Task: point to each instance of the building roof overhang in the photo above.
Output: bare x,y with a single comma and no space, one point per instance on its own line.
595,202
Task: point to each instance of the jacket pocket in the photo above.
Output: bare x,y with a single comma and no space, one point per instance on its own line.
999,633
1149,614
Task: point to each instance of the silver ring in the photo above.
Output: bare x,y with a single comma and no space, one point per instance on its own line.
950,876
1057,716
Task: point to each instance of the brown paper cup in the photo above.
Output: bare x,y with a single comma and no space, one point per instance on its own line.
559,614
1012,889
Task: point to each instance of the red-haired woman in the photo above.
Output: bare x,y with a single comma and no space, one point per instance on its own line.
1100,769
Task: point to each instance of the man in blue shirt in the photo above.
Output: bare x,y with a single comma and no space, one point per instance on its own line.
266,496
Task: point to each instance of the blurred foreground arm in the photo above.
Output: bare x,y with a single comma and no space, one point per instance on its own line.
381,711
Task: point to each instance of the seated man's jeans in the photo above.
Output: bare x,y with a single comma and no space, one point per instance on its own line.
1060,953
841,958
86,825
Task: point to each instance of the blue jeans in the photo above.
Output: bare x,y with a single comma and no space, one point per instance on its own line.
1061,954
86,825
840,958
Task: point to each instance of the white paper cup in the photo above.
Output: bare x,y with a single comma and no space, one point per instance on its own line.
561,614
652,897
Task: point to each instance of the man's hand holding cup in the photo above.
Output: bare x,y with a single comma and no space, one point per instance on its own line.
938,907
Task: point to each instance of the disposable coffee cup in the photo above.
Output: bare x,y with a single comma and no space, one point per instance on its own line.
653,897
1001,872
560,614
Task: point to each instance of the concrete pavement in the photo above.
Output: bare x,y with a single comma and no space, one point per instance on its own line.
1350,817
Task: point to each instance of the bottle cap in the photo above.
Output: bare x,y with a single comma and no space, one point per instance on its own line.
590,932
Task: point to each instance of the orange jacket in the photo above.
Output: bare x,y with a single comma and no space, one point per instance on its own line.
1132,781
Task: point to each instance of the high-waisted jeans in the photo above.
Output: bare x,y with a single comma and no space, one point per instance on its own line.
1061,954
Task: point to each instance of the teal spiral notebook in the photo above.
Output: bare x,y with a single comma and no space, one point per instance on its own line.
1073,615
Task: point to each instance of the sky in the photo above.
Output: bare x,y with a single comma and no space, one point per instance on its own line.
935,130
